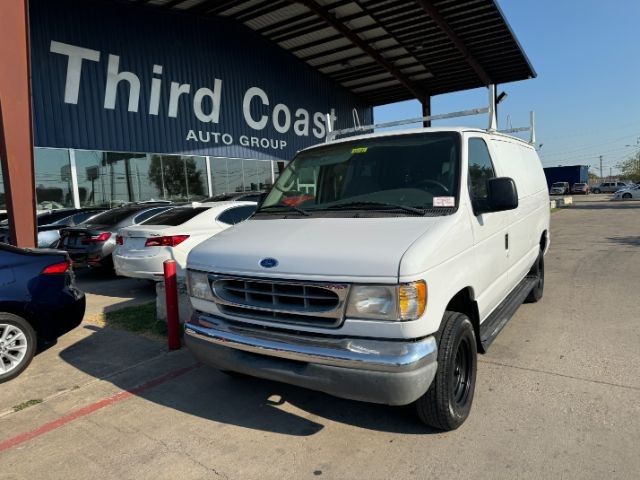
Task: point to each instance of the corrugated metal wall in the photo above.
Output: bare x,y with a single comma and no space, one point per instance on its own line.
191,50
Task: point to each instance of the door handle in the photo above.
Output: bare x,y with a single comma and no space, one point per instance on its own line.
506,241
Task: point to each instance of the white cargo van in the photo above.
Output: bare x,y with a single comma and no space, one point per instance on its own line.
377,267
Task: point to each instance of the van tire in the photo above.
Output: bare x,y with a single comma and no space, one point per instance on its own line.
596,190
447,403
19,326
537,271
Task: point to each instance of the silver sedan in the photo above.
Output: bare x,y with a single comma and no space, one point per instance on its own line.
631,192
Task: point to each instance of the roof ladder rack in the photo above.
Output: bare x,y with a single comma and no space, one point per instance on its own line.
531,128
364,128
490,110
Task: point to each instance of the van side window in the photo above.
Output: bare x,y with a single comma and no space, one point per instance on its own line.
480,170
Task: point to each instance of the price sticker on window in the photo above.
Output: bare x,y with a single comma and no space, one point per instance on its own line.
444,202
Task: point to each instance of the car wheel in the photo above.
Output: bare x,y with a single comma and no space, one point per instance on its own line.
537,272
447,403
17,345
596,190
626,195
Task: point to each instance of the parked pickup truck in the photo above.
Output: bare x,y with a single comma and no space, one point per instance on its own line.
408,255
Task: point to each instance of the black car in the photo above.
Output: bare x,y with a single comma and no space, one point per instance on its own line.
92,243
49,224
39,302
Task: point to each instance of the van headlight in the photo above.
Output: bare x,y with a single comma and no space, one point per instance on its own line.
198,285
406,301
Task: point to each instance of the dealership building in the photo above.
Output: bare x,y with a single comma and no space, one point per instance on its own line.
135,100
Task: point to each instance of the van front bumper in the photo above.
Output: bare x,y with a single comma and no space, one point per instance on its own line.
378,371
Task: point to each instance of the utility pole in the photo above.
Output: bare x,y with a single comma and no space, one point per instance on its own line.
600,166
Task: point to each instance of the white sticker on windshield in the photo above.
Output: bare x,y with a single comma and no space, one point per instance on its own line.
444,202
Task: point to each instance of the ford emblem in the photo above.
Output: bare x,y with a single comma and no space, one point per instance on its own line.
268,262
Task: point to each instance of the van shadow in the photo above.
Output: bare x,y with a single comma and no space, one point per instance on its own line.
262,405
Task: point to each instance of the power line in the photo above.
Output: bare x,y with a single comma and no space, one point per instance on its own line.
583,133
587,147
573,158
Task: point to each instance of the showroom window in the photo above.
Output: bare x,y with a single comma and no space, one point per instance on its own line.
53,179
109,179
231,175
113,178
179,178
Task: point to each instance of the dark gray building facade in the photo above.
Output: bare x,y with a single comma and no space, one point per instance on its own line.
132,104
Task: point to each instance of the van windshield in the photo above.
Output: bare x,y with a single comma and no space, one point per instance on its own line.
409,174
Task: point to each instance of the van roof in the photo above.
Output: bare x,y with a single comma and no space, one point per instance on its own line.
414,131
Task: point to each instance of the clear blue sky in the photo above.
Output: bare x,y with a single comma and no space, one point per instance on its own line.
587,93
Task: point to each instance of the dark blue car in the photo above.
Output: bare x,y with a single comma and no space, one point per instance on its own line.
39,302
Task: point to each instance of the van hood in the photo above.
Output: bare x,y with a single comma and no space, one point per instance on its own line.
326,248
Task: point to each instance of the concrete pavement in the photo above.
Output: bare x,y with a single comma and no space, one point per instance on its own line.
558,395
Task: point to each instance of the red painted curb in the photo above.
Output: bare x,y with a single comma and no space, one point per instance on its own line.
89,409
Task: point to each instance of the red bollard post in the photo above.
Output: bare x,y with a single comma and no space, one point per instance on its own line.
171,296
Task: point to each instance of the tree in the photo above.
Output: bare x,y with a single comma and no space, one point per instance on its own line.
168,173
630,168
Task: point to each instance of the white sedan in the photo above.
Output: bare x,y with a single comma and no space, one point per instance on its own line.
142,249
632,191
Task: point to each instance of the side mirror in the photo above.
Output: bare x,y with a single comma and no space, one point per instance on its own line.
502,194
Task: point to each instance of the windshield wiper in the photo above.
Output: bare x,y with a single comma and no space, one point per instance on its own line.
350,205
289,207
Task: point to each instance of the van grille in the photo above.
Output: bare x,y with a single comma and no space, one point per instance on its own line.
281,301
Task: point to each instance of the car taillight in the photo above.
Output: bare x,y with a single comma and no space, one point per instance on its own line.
102,237
119,240
172,241
56,268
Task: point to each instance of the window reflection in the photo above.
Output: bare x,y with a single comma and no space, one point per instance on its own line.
219,177
110,179
53,179
178,178
231,175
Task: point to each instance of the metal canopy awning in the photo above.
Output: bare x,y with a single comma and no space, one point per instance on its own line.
384,51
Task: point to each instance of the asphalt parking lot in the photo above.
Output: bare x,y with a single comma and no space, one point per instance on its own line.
558,395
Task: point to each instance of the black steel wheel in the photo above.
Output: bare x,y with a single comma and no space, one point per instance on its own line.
626,195
537,271
462,373
447,403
